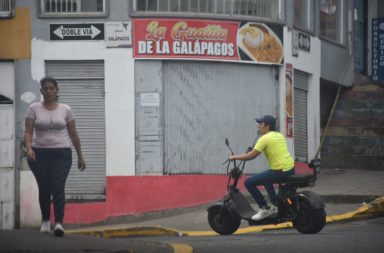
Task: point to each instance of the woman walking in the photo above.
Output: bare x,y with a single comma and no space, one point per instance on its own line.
49,152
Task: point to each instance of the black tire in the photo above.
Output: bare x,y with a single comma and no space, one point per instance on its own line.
309,220
223,220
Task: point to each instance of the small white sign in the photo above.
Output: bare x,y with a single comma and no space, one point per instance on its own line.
295,43
118,34
150,99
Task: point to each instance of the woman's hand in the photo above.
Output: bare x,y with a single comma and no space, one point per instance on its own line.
31,154
81,164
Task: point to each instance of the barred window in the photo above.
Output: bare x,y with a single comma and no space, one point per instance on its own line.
272,9
72,7
7,8
332,19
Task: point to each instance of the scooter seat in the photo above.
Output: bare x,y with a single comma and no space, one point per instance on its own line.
299,179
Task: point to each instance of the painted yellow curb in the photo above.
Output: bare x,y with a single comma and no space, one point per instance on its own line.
181,248
124,231
373,209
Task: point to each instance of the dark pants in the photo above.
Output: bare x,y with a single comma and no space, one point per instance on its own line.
267,179
51,170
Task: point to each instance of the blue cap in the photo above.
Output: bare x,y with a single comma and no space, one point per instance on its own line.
268,119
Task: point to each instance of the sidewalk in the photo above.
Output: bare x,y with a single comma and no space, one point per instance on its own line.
348,194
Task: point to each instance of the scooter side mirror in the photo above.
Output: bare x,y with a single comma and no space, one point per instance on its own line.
227,143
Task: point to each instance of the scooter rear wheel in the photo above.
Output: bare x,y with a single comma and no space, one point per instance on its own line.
309,220
223,219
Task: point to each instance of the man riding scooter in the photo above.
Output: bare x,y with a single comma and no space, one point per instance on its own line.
280,162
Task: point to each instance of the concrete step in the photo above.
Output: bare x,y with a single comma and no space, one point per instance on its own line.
353,145
347,161
368,87
364,141
360,110
348,131
353,149
357,122
377,94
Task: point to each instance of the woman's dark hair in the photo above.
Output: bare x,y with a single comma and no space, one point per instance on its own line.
47,79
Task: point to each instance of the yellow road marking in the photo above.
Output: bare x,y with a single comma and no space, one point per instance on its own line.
112,231
181,248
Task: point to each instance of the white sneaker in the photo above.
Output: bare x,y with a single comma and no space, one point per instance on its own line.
264,213
58,230
45,227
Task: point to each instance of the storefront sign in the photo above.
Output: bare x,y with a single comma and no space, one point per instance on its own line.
378,50
76,31
295,43
207,40
304,42
118,34
288,100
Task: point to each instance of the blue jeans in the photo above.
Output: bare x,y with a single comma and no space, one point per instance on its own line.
266,178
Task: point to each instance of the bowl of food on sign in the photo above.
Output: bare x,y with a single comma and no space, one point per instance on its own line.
260,43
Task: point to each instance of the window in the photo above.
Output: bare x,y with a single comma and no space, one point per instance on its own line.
257,8
304,14
73,7
7,8
331,19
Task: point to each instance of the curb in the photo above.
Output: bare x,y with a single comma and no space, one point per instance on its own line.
123,231
367,211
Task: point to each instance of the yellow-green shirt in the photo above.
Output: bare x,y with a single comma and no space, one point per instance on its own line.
275,149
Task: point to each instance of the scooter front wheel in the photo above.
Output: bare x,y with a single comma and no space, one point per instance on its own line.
223,219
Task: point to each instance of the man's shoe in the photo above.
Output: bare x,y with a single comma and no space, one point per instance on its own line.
45,227
58,230
264,213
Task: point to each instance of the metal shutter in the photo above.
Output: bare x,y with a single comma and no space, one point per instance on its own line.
300,115
81,85
206,102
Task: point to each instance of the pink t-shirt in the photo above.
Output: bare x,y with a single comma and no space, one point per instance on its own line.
50,125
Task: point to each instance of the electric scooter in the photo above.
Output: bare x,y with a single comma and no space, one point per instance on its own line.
304,209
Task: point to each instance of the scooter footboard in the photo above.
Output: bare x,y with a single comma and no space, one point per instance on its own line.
314,199
242,206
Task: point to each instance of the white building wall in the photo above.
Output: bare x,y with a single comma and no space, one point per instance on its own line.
309,62
119,94
7,147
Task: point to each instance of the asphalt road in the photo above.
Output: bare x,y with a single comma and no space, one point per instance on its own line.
358,236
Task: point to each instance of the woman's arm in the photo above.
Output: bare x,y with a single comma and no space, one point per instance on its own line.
28,133
72,132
